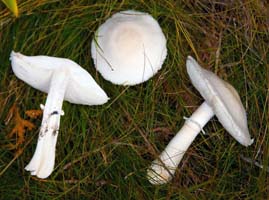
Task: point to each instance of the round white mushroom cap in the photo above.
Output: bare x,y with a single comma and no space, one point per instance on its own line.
223,99
129,48
37,71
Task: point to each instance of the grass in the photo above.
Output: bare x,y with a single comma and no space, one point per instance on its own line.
103,151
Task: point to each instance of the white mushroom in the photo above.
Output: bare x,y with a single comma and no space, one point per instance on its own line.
222,100
129,48
62,79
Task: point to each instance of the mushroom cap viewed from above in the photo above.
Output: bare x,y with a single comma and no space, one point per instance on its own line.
37,70
129,48
223,99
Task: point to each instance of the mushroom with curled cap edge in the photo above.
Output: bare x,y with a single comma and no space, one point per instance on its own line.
62,79
129,48
222,100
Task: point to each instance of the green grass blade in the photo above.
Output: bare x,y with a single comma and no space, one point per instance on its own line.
12,6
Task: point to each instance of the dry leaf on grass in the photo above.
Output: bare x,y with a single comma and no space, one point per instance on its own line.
20,126
33,114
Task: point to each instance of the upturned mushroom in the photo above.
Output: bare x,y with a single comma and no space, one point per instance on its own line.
62,79
129,48
222,100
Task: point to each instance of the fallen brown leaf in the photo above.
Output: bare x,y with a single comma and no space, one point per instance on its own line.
33,114
19,129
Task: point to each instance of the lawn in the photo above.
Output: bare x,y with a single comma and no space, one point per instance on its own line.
103,152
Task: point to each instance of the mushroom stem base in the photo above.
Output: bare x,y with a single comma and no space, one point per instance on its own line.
164,167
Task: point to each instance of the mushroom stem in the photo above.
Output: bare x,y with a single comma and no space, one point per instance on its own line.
42,163
163,168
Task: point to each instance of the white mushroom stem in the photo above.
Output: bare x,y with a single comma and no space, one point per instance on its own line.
42,163
163,168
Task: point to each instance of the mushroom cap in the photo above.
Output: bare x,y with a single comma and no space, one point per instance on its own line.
129,48
223,99
36,71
